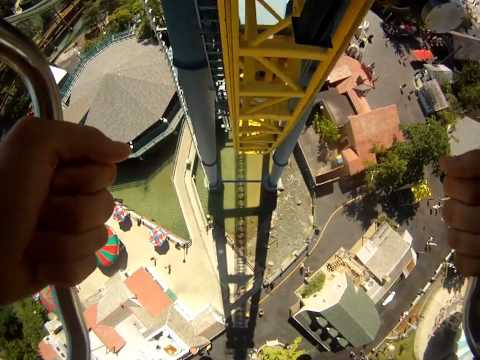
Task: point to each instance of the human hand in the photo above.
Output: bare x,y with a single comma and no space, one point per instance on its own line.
461,212
53,202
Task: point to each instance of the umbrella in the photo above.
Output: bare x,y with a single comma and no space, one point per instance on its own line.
158,236
119,213
108,254
48,299
422,55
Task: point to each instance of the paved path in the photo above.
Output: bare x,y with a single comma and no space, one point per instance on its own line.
193,212
391,75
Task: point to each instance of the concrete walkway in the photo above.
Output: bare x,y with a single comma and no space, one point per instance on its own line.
192,210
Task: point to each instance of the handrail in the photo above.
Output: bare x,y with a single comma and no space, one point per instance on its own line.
23,56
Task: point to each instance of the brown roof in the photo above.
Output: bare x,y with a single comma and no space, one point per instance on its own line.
148,292
352,162
358,74
377,127
107,334
46,351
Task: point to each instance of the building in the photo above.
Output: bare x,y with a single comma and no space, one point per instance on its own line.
431,97
379,127
138,317
464,46
339,315
133,100
388,257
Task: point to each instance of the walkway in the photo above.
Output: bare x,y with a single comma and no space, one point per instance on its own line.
202,240
187,279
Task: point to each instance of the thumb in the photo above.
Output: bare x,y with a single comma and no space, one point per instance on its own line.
463,166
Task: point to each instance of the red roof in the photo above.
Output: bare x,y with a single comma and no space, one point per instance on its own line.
46,351
377,127
148,292
107,334
358,74
422,55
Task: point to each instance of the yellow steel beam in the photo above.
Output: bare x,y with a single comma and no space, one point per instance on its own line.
270,9
269,116
271,68
352,18
270,65
281,48
268,90
265,104
264,35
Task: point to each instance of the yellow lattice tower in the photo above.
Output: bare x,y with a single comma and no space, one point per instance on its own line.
263,65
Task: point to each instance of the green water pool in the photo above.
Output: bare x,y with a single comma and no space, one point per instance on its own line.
146,186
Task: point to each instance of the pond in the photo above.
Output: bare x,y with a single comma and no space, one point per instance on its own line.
146,186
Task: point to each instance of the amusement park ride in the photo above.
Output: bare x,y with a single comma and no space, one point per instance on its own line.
260,79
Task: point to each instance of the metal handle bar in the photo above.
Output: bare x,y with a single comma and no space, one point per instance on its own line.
22,55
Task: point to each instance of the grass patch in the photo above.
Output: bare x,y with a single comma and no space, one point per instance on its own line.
314,285
404,349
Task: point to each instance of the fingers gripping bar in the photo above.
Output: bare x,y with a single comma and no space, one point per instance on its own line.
22,55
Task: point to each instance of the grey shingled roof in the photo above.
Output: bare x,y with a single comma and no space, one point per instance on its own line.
355,316
123,91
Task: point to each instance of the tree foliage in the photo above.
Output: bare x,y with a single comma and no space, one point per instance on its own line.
292,352
467,86
326,128
404,162
21,329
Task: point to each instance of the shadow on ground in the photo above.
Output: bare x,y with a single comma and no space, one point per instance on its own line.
442,344
120,264
241,314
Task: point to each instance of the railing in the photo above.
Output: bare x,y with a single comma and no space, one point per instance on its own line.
85,58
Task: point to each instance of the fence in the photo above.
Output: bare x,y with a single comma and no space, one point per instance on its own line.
85,58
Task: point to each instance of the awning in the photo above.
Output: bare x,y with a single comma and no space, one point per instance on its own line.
422,55
158,236
108,254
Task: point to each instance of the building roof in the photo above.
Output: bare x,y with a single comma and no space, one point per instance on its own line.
465,47
124,97
352,162
357,71
431,97
384,252
208,324
337,105
148,292
116,294
46,351
377,127
421,55
346,308
354,316
107,334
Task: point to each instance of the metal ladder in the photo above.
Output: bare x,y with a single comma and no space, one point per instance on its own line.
210,28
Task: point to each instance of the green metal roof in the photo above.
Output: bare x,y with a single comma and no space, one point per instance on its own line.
354,316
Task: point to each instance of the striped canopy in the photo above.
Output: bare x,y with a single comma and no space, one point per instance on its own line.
158,236
48,299
119,213
108,254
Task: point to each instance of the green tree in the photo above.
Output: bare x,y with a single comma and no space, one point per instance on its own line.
276,353
467,86
21,329
120,20
404,162
326,128
387,175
